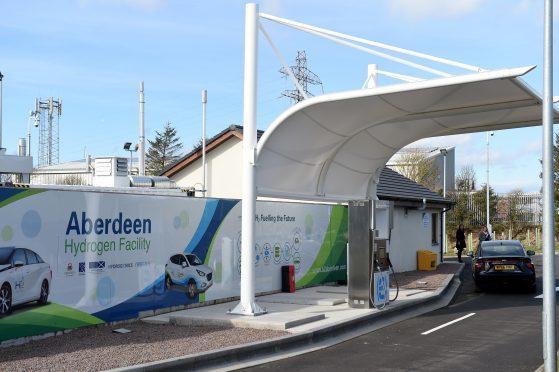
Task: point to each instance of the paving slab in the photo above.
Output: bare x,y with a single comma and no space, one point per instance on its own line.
303,310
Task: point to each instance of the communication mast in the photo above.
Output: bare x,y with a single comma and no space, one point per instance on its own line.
303,75
47,114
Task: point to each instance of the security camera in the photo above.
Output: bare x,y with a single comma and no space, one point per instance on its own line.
492,133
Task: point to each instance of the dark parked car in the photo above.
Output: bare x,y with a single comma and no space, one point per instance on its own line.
503,263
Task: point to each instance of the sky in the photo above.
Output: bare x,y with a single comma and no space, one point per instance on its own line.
92,54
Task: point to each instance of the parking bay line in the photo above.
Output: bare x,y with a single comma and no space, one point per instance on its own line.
541,296
447,324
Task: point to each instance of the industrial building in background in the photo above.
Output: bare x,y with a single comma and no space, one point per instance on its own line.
47,119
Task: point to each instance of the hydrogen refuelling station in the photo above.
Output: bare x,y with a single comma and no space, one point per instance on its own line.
110,252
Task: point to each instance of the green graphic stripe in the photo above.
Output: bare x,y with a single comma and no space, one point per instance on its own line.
21,195
44,319
202,296
331,252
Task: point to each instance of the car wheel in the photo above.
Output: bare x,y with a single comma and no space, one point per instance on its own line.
5,300
168,282
44,293
479,288
192,290
533,288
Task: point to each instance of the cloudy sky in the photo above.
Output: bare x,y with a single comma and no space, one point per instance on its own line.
93,54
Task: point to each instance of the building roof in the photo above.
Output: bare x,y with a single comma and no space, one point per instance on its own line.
393,186
211,144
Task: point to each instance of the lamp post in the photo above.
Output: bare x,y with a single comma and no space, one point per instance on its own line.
128,147
487,186
444,152
1,77
204,101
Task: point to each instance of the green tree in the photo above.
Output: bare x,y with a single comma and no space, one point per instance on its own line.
163,151
514,212
198,144
480,203
461,212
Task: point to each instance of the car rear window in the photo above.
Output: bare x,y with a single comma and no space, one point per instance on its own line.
5,254
502,250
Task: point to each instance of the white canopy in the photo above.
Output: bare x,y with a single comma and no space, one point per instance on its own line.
333,147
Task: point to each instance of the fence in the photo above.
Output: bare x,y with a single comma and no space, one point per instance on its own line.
518,208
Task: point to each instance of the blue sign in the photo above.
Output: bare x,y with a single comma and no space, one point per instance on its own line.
381,293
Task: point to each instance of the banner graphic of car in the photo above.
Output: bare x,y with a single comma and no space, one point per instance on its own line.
24,277
187,270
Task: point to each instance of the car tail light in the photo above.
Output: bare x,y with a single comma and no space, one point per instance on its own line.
479,265
529,264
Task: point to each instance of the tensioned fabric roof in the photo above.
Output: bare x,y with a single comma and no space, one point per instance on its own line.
334,146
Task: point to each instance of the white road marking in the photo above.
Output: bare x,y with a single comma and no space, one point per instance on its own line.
447,324
541,296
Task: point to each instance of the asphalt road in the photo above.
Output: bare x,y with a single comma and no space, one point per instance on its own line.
502,334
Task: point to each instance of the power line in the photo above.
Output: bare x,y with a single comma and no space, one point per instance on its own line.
304,77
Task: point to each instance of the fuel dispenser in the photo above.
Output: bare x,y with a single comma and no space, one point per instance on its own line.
370,226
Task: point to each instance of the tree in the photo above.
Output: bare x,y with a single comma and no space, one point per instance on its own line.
417,166
514,212
480,203
164,150
555,181
466,179
462,212
198,145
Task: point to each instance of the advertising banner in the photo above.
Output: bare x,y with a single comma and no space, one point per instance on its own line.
76,258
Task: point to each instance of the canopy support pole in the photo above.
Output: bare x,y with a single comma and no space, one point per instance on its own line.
548,314
247,305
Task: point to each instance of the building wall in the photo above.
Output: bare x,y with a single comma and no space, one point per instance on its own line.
409,235
224,171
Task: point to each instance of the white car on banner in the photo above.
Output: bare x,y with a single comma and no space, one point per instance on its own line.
24,277
187,270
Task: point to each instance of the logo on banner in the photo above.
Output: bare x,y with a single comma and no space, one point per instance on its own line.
70,269
92,267
267,253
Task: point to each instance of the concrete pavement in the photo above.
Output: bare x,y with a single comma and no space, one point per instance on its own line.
315,317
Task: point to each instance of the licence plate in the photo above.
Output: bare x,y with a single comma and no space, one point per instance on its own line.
504,267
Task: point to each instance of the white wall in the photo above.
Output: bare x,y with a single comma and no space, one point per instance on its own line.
224,171
410,235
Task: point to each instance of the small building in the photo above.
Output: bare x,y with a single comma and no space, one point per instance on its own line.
78,172
417,210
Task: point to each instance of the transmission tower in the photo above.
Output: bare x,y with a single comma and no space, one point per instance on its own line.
303,75
47,114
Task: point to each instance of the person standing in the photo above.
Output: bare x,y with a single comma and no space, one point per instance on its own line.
483,236
460,241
